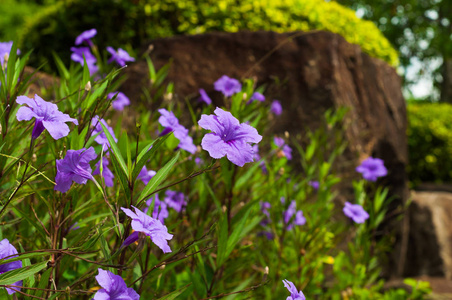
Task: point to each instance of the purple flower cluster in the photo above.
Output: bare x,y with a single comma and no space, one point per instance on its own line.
113,287
294,293
74,167
372,168
8,251
289,214
151,227
229,137
228,86
120,57
171,123
355,212
5,49
47,116
286,150
120,102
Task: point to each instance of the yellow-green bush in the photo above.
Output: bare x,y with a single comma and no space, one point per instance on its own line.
134,23
430,142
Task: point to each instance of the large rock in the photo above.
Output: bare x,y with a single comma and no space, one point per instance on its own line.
320,70
430,243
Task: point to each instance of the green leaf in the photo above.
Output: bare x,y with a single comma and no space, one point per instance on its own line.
13,276
11,66
158,178
115,149
121,175
43,281
147,153
222,240
86,75
174,294
237,233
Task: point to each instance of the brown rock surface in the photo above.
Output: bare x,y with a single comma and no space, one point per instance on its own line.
430,243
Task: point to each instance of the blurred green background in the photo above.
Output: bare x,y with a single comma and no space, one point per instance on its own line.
413,36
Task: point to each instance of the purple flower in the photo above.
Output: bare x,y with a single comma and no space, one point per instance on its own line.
114,287
372,168
74,167
121,56
101,139
229,137
228,86
265,206
198,161
47,117
286,150
151,227
160,211
5,49
8,251
314,184
107,174
204,97
355,212
294,294
120,102
257,97
276,107
146,175
290,212
79,53
171,123
175,200
86,36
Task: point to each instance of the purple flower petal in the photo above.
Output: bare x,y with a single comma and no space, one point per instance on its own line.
120,57
294,293
120,102
372,168
355,212
204,97
228,86
86,36
114,287
229,137
8,251
276,107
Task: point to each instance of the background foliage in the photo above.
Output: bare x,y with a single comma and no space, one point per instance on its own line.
55,25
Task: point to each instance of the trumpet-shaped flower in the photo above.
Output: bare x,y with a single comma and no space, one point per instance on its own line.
86,36
120,102
355,212
113,287
171,123
79,53
5,49
228,86
294,293
372,168
175,200
276,107
8,251
101,139
256,96
74,167
286,150
47,117
146,175
204,97
151,227
229,137
121,56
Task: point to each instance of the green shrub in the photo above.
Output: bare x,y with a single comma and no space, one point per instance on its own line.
430,142
121,22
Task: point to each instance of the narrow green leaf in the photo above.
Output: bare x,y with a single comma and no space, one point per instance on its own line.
115,149
43,282
237,234
222,240
13,276
146,154
11,66
86,75
175,294
121,175
158,178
